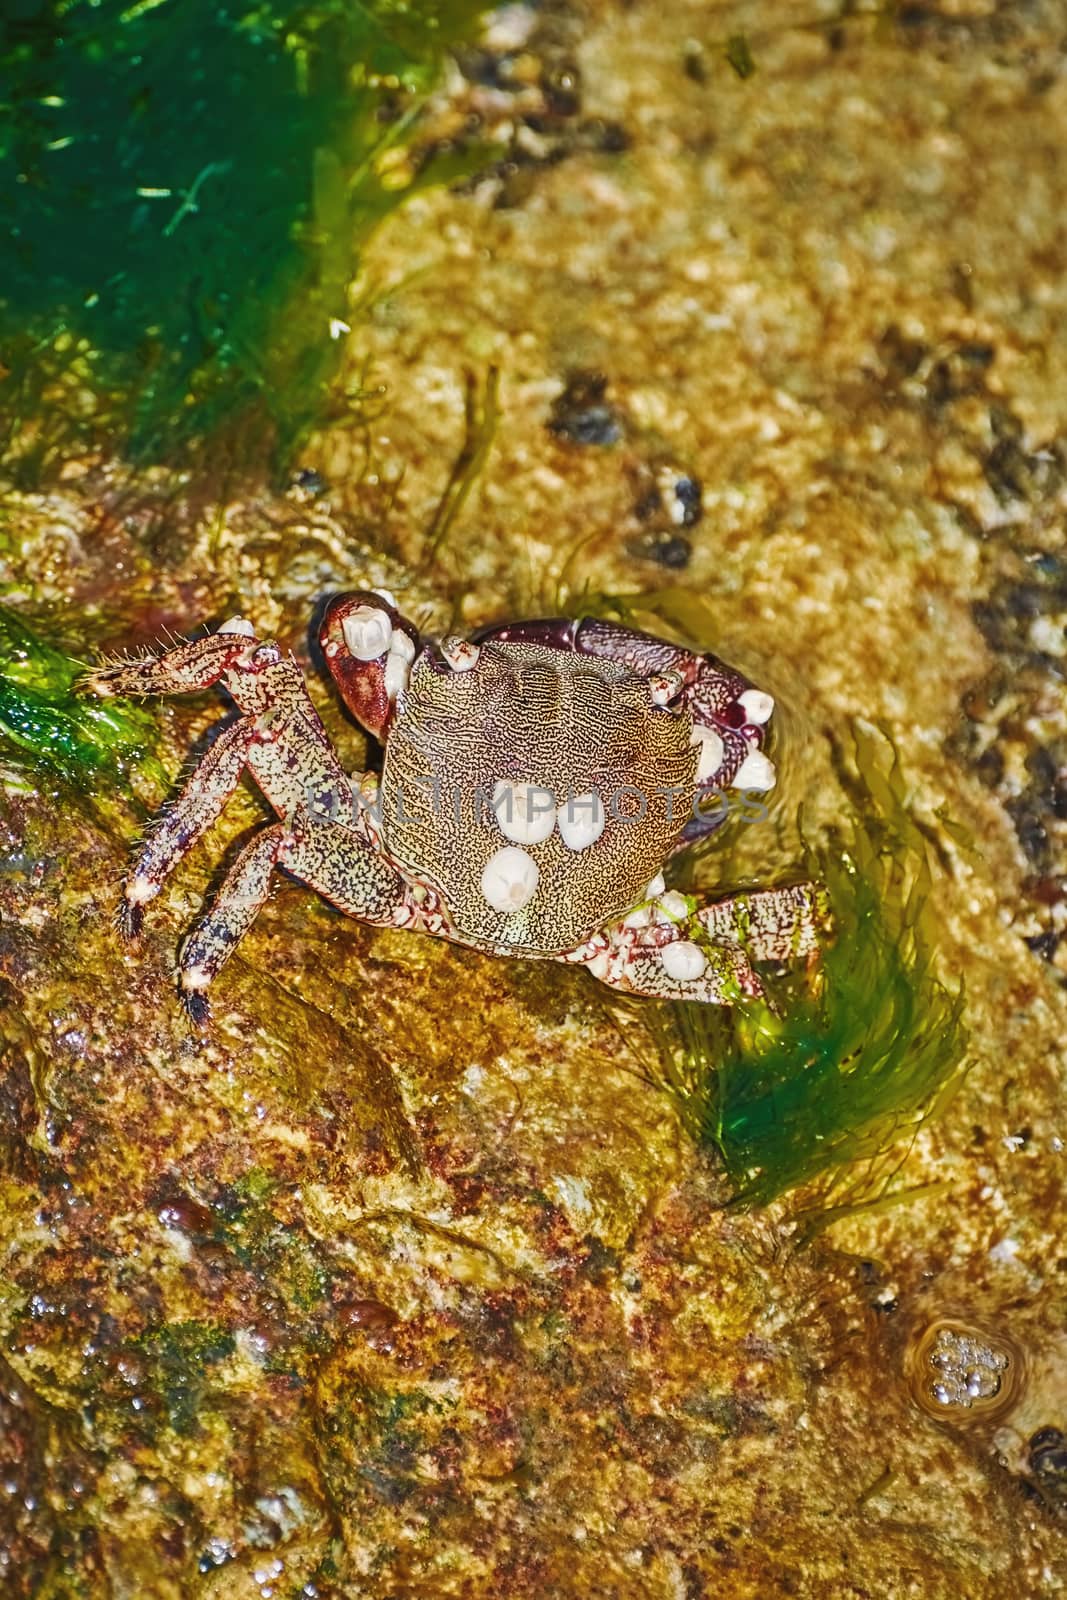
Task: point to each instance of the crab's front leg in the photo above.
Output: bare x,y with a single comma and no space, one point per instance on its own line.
279,739
327,857
672,948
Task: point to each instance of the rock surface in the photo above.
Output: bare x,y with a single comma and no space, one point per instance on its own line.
403,1279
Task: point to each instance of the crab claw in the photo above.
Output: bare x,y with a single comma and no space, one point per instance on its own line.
369,648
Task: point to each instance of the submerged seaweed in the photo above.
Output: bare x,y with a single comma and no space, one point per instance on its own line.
185,188
61,731
847,1059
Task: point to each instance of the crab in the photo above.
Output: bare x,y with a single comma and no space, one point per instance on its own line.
535,781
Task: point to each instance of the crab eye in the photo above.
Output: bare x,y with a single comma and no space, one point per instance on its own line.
367,632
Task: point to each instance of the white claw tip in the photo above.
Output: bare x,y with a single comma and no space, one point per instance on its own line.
509,879
581,821
397,672
367,632
239,625
398,663
401,646
656,887
683,961
755,772
460,654
525,812
711,752
758,705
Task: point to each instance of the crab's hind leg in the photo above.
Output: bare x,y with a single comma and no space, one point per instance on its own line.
326,857
675,949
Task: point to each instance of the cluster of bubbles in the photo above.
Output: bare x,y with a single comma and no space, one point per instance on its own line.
963,1373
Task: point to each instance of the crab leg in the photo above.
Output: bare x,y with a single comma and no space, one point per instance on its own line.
191,665
279,738
192,813
674,949
715,974
771,924
323,855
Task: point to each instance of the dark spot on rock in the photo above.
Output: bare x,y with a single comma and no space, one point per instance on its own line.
1030,831
1043,770
601,1261
486,68
187,1216
582,415
990,766
310,481
673,551
599,133
694,61
1044,944
901,357
561,86
1012,471
690,496
979,355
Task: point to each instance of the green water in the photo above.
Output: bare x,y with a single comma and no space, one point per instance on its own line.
184,185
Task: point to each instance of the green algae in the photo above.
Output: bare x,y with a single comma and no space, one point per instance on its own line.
481,415
58,731
185,187
822,1083
179,1356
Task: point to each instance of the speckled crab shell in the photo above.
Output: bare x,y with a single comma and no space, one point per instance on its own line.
613,773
